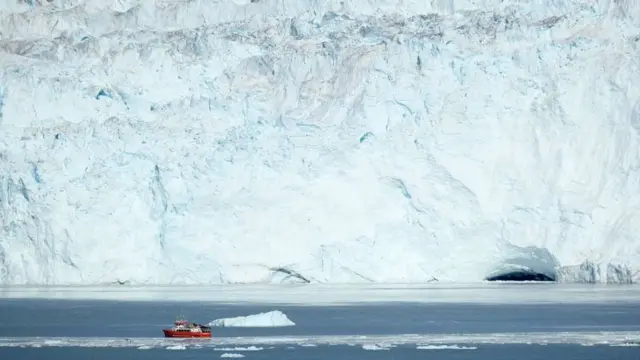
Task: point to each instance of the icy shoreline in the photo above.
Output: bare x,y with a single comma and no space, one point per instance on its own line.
339,294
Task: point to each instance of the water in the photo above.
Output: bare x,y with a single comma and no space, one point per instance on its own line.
38,328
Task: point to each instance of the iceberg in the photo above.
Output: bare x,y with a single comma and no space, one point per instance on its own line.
273,318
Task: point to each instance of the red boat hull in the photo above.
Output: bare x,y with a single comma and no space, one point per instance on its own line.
185,334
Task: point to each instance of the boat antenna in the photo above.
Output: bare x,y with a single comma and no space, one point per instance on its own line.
181,316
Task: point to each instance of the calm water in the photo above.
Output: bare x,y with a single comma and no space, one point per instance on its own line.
91,326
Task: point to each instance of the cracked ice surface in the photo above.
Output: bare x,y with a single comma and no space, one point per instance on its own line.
318,141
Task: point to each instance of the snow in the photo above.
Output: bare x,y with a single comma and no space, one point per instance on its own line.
275,318
293,141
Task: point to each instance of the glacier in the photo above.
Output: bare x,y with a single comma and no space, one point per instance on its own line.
304,141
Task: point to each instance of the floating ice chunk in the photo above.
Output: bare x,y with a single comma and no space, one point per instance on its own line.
231,355
445,347
274,318
250,348
176,347
374,347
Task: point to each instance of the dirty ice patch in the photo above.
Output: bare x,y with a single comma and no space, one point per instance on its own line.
445,347
274,318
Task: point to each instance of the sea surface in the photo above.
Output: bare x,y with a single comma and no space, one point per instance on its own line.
83,328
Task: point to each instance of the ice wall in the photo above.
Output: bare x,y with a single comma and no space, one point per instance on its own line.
318,141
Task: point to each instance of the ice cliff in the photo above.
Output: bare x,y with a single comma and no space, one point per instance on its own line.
318,141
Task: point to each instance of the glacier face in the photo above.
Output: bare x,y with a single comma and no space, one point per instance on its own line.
322,141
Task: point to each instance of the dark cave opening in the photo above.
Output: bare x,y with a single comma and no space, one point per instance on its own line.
521,276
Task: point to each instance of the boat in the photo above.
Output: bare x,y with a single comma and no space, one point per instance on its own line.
184,329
